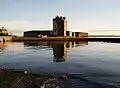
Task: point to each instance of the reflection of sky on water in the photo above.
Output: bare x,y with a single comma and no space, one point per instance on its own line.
38,49
93,54
91,58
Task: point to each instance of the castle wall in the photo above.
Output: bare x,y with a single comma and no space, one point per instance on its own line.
77,34
69,33
81,34
73,34
38,33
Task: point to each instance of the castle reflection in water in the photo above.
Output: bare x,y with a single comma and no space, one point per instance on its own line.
59,48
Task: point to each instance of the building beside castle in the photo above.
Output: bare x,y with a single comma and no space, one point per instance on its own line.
59,29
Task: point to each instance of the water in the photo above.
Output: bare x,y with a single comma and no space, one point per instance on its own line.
97,62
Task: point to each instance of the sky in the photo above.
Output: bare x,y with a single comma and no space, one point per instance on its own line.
92,16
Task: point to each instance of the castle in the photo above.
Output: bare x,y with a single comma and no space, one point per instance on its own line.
59,29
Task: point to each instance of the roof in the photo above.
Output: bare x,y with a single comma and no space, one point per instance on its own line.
40,31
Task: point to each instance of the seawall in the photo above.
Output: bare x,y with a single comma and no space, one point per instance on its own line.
49,39
112,40
17,39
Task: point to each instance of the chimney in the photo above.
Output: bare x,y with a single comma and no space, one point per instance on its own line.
64,18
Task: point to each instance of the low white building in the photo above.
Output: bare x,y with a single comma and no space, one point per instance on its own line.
5,38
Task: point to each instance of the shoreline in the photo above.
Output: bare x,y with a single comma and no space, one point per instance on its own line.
11,78
20,39
54,39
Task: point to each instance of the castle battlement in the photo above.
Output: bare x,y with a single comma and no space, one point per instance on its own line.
59,18
59,26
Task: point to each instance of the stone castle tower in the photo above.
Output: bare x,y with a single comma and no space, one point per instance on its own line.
59,26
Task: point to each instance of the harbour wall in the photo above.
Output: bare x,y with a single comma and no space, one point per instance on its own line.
116,40
48,39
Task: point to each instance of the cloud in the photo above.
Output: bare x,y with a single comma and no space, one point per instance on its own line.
19,26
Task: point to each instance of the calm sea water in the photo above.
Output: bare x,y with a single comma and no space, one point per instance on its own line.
96,61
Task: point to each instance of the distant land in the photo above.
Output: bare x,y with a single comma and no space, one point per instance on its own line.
104,35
